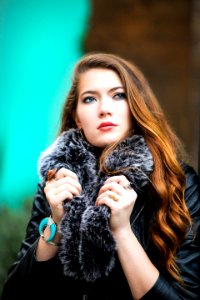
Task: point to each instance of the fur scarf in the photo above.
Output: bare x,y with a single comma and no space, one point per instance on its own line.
87,246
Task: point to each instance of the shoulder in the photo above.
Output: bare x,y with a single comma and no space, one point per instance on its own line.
191,175
192,190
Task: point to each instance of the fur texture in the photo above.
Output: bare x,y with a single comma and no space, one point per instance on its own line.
87,247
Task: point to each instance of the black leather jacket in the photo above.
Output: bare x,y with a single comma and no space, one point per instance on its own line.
28,278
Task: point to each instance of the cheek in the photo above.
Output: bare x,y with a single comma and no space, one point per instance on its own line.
77,120
80,117
125,113
84,122
84,119
129,118
90,134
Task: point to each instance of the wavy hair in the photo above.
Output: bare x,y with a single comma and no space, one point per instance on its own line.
172,218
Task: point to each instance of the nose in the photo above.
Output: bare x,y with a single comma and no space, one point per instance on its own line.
105,106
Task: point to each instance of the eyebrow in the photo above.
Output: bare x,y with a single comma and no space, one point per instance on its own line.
95,92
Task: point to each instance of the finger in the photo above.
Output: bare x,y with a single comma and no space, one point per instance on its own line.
113,196
63,172
112,186
68,187
120,179
51,174
106,201
64,195
70,181
54,197
109,194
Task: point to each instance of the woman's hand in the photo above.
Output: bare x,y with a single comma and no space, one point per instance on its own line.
64,185
117,194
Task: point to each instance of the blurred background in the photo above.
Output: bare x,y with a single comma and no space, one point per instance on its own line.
40,41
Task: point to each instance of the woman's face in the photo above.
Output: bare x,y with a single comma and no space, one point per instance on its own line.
102,110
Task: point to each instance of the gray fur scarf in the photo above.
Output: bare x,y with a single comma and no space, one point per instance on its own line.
87,248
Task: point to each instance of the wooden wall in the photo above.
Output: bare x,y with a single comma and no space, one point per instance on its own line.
162,38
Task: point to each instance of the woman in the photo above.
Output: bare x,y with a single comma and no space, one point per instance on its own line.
117,212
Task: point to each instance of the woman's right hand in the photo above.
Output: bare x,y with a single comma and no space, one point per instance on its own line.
63,186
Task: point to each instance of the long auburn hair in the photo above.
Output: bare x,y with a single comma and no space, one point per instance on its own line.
172,217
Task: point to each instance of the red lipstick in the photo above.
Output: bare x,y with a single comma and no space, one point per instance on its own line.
106,125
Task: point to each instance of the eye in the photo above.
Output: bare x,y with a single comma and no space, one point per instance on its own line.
120,96
88,99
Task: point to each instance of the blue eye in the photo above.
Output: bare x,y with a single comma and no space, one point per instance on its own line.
120,96
88,99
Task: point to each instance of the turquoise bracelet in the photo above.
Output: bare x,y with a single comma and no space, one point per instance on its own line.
52,226
50,242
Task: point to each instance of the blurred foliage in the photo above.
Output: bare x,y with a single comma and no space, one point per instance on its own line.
12,231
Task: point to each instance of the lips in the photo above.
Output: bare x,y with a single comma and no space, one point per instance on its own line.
106,125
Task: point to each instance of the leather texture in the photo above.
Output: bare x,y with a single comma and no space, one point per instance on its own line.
28,278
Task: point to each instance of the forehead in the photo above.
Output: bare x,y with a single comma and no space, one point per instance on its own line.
96,78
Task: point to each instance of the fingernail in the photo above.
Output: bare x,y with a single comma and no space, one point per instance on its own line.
50,175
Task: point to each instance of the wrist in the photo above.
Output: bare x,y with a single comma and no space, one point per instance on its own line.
50,231
123,232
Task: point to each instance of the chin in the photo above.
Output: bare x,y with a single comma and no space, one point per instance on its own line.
106,142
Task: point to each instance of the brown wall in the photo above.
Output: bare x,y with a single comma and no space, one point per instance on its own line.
160,37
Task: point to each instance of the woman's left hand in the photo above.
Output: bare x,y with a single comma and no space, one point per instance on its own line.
118,195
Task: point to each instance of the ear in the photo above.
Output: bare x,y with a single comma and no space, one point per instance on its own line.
77,121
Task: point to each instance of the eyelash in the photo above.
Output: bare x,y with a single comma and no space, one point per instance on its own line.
90,98
120,95
117,96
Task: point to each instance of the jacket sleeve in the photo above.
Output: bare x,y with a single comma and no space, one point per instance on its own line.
188,256
26,269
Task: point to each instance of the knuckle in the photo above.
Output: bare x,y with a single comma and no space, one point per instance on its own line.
46,188
62,169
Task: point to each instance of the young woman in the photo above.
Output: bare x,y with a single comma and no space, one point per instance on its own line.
117,211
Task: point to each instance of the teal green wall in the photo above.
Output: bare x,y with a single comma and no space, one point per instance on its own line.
39,43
